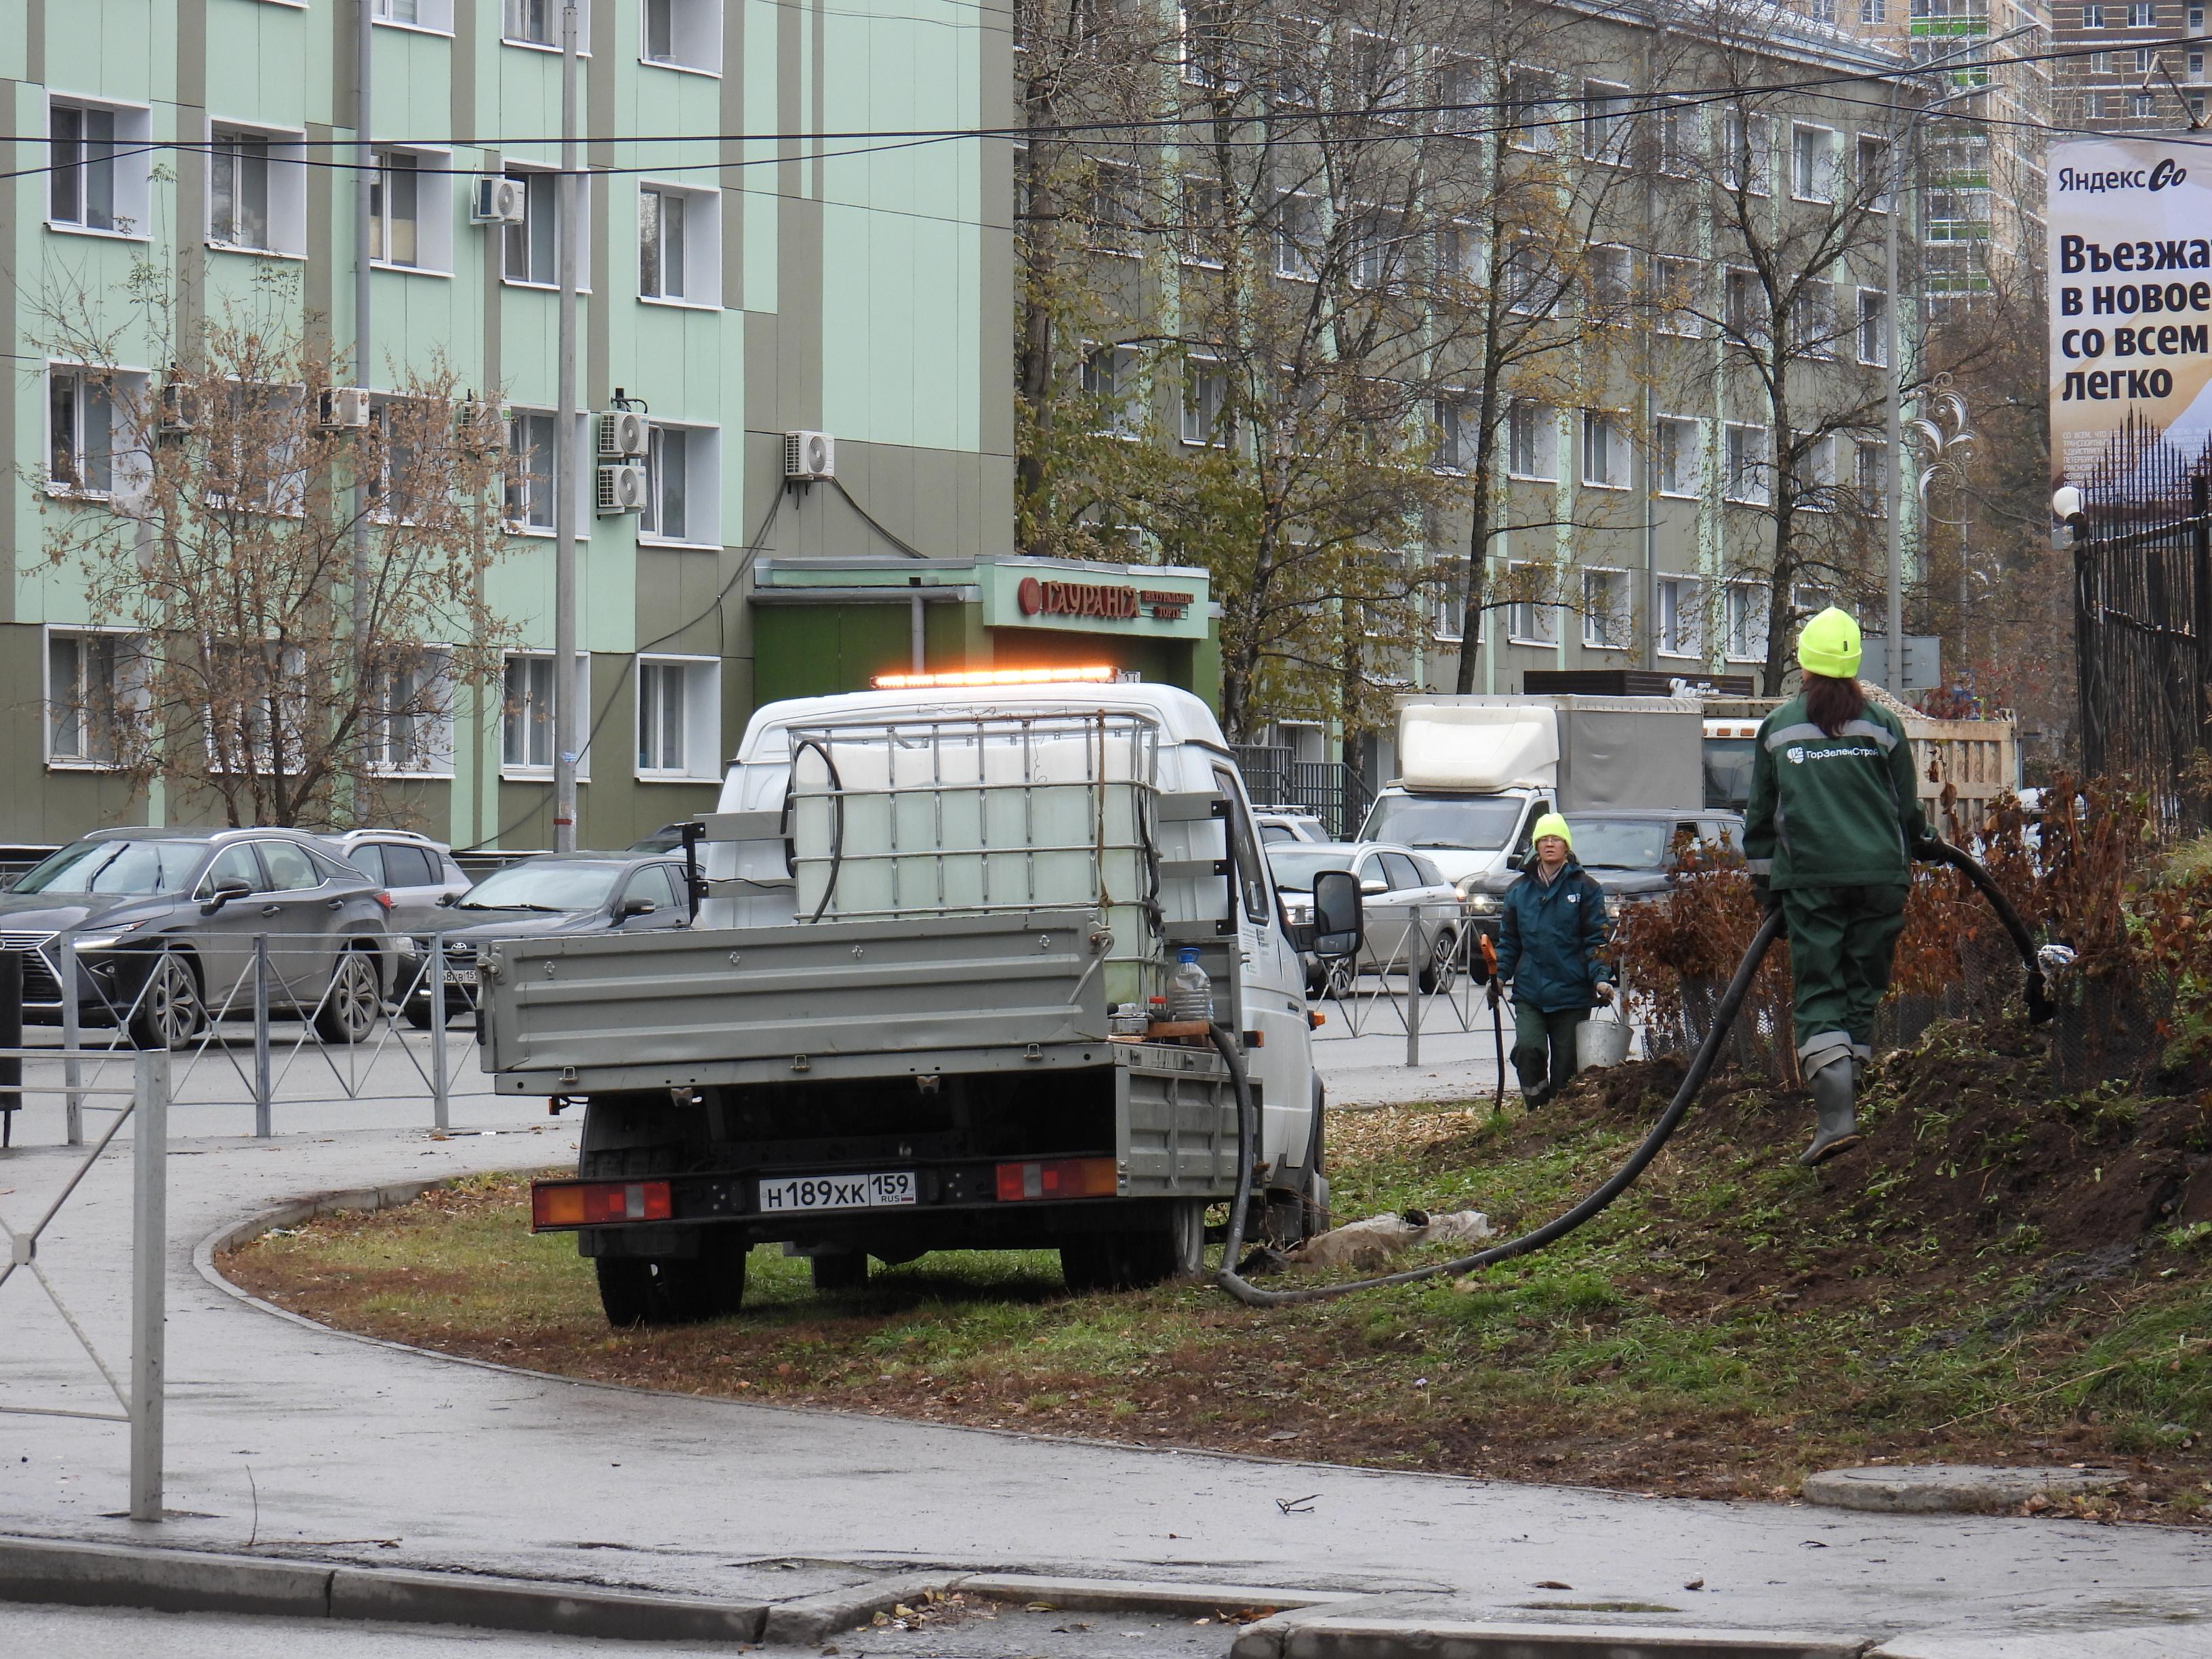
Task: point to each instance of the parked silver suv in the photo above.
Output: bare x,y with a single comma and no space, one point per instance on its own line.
165,923
419,873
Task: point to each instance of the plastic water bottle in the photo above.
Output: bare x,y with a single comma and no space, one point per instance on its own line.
1190,993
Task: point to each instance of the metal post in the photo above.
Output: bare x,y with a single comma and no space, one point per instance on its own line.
567,728
1414,947
440,1102
11,1037
1893,428
366,183
2200,577
262,1128
72,1045
149,1232
916,632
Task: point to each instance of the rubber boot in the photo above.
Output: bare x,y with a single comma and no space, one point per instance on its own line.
1836,1124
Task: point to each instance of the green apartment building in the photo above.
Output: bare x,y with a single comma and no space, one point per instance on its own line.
748,275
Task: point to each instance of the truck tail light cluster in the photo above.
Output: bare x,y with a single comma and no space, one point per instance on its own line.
557,1203
1059,1177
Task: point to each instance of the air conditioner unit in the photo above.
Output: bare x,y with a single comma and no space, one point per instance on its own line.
809,457
479,427
621,488
342,408
498,201
181,411
623,434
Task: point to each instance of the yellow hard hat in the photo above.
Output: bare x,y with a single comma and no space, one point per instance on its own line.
1551,824
1830,645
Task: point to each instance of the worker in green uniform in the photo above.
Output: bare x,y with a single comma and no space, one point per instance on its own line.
1830,833
1551,945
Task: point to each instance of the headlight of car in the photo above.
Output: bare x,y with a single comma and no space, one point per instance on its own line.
108,940
1300,911
1474,900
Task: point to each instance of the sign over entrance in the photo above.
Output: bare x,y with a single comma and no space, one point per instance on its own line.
1171,604
2130,296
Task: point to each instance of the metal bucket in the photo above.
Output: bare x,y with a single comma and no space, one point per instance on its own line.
1600,1042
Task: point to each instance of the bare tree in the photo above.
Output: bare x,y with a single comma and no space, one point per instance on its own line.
216,537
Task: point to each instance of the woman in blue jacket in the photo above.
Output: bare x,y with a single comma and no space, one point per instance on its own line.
1551,943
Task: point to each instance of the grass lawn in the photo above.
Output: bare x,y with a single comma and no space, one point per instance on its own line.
1997,1274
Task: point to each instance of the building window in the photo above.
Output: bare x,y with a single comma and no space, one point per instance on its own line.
1675,284
1744,622
81,432
2100,63
1745,307
1612,283
1208,56
683,35
680,496
409,719
1298,236
538,23
1816,477
91,186
527,724
1678,137
1746,161
1605,450
1872,12
1874,173
2093,16
679,718
1608,124
94,682
1204,397
1448,601
1201,228
1528,435
407,221
2196,66
1872,478
1812,163
1455,433
1529,112
1459,254
530,470
257,192
2142,14
532,252
1377,236
1117,208
1675,439
1605,617
2146,106
1814,318
1110,375
1532,288
1873,327
1746,459
1679,618
679,243
1531,620
436,16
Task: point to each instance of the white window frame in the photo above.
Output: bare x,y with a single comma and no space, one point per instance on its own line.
126,696
525,769
1447,598
1679,439
1608,123
1816,323
287,182
1757,326
1613,297
1674,598
1541,464
437,754
518,451
1672,317
1748,139
1298,215
695,36
1873,502
702,492
702,251
1679,128
1120,363
1751,598
1874,150
1533,612
702,713
1816,479
1116,209
130,171
1604,435
123,393
1531,97
1205,390
1200,202
1194,70
1820,186
1455,435
380,414
531,175
1734,487
511,10
431,16
1616,610
1880,358
433,183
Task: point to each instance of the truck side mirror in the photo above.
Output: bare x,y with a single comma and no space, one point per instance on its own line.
1337,918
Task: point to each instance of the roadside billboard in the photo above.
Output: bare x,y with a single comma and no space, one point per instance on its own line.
2130,225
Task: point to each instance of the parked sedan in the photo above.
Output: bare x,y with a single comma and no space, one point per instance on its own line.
1286,825
165,922
552,894
1397,884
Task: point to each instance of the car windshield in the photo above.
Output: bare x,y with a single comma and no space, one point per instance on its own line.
543,884
1728,771
117,866
1295,867
1481,824
1621,843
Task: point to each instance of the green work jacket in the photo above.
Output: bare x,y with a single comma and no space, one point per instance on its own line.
1840,811
1550,939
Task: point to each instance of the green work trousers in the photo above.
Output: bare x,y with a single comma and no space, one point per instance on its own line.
1842,943
1533,1030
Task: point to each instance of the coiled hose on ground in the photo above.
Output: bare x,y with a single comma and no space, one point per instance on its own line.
1693,1080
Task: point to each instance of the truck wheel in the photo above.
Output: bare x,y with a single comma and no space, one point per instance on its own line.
840,1270
672,1291
1136,1258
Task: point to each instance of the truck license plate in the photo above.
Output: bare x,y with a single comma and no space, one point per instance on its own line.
837,1192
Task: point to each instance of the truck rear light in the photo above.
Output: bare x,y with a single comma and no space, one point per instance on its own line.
1059,1177
557,1203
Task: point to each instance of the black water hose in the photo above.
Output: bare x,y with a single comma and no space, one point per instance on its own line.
1693,1080
836,822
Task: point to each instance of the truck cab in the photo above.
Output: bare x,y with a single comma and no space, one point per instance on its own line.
916,1009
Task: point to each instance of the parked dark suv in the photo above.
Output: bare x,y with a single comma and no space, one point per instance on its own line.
164,922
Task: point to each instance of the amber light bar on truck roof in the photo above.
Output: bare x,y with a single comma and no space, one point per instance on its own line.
555,1205
1092,674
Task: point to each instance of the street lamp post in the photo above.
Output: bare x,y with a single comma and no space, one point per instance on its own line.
567,726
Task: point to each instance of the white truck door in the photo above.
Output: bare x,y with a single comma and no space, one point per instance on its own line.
1274,991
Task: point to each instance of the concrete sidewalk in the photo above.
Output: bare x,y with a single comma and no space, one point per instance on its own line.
285,1438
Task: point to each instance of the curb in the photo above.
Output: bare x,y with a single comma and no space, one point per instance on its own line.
812,1619
1319,1637
192,1581
1148,1595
